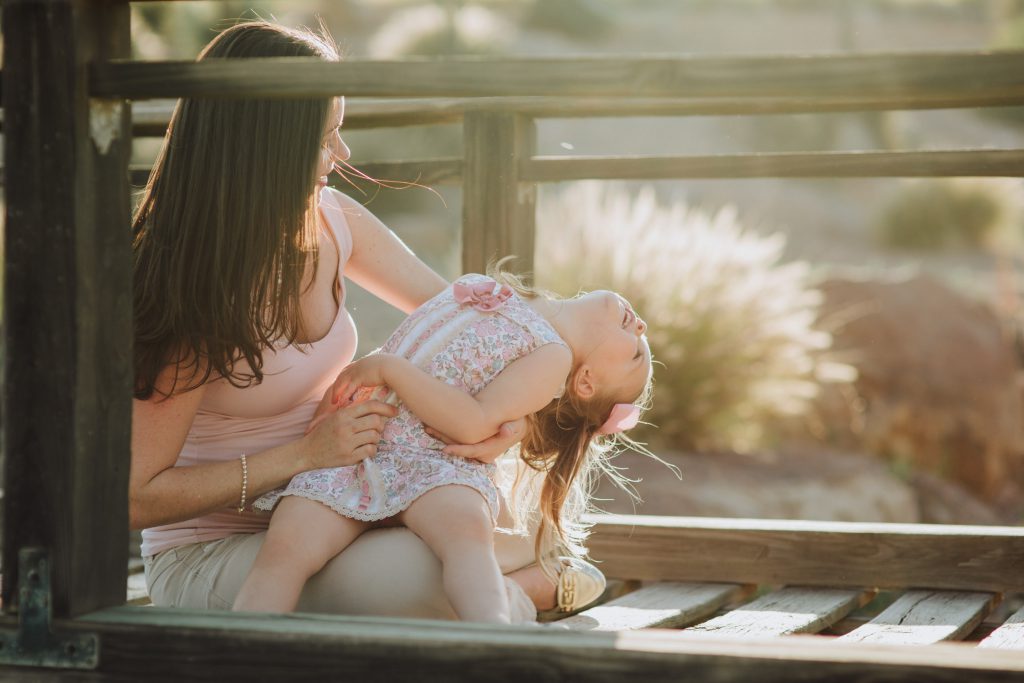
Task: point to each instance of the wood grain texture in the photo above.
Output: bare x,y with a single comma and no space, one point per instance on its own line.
67,306
659,605
1009,636
498,209
925,617
785,612
178,644
935,75
778,552
150,117
974,162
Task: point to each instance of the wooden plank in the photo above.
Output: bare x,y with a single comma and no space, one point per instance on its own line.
660,605
1009,636
67,303
837,76
422,172
925,617
972,162
785,612
223,646
783,552
150,117
498,209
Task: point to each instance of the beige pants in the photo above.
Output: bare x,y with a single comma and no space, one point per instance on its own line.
385,572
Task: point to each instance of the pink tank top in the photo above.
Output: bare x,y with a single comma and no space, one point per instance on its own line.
232,421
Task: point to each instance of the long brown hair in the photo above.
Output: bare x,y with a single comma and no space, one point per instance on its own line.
226,226
562,444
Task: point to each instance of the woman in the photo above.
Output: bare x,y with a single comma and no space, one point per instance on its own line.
240,327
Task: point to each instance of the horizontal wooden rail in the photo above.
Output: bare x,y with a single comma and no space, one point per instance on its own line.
423,172
809,553
179,644
836,77
150,117
981,163
976,162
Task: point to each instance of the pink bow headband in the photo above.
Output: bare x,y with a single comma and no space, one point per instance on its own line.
623,416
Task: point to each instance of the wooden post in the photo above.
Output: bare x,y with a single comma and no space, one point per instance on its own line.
67,301
498,208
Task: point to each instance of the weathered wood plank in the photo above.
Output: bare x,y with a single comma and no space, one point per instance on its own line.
422,172
925,617
150,117
973,162
785,612
498,209
836,76
778,552
660,605
1009,636
67,309
222,646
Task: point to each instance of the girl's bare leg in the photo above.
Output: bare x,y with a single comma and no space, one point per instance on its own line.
455,522
302,537
537,586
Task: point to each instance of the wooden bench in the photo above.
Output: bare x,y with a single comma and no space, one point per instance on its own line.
879,584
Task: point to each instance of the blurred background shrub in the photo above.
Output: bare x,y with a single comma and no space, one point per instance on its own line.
730,326
954,213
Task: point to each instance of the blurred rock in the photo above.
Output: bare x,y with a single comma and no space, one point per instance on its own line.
822,486
939,385
944,502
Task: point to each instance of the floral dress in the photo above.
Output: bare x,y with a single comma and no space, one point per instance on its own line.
464,336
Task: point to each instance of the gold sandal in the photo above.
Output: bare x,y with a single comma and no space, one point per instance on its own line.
579,584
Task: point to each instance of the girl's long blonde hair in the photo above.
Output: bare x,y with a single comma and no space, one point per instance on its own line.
564,458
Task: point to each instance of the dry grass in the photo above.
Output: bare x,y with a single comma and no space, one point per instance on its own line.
731,326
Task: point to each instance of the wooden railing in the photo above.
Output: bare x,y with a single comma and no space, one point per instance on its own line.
67,315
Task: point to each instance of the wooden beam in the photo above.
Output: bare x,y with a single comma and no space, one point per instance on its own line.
972,162
150,117
185,644
659,605
937,75
785,612
498,208
778,552
67,302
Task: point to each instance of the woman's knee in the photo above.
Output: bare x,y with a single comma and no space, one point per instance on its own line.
385,572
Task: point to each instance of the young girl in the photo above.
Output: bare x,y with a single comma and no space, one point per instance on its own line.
476,355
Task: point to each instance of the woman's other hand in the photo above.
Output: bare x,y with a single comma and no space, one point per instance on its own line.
346,436
488,450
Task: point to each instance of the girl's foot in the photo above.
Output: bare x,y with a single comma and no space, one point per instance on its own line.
579,584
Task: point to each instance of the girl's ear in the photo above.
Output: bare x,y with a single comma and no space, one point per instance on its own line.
583,383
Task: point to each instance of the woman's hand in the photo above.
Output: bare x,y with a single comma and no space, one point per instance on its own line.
345,436
488,450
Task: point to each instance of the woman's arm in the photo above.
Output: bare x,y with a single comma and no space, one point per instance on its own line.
524,387
160,493
383,264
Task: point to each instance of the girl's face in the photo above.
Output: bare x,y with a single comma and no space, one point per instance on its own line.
332,147
619,358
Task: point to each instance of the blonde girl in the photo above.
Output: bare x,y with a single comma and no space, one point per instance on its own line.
475,356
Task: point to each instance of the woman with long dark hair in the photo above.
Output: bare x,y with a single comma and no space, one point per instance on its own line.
240,328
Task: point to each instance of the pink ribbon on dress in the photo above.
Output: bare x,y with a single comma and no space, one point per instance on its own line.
623,416
486,295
